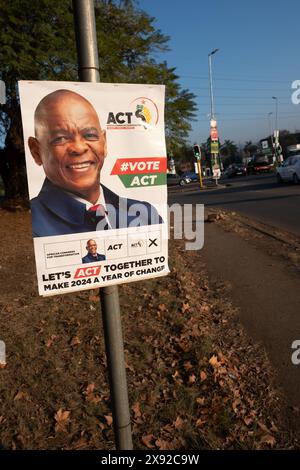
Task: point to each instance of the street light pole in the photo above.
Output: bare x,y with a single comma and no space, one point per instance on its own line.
269,121
276,112
212,117
271,132
88,67
278,149
211,83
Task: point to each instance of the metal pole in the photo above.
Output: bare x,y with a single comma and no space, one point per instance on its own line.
211,100
199,166
270,126
111,318
213,155
271,133
211,88
86,40
276,112
88,68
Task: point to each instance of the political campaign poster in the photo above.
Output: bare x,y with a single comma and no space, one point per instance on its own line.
96,167
214,147
214,133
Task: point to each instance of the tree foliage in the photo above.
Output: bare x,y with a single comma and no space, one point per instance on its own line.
228,149
38,43
250,148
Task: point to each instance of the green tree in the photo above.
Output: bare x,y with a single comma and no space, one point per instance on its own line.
228,152
229,149
250,148
38,43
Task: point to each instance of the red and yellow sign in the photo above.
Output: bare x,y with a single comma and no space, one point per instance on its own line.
214,133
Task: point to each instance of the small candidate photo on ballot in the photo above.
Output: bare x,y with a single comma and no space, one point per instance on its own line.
92,254
70,145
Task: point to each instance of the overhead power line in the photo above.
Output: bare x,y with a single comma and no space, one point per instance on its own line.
269,90
246,104
258,118
256,114
231,79
244,97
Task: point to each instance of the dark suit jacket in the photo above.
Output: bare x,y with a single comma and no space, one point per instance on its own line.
90,258
55,212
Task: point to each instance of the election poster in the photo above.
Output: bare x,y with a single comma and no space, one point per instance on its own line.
96,167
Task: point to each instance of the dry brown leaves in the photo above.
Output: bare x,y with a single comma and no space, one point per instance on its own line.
221,400
108,419
62,419
50,341
148,441
75,341
90,395
21,395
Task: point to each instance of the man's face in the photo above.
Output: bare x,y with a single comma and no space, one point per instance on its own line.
92,247
70,144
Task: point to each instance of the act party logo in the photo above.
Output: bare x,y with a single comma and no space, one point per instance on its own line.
142,114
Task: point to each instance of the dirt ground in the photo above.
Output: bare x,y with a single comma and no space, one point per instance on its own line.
190,386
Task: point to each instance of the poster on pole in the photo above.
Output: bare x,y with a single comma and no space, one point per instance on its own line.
214,147
96,167
214,133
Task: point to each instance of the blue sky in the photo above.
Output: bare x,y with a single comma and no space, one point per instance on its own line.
258,59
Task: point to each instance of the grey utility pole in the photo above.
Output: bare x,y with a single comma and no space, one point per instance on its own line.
214,156
88,68
211,84
270,126
276,112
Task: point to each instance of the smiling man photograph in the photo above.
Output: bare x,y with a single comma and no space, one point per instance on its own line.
71,146
92,254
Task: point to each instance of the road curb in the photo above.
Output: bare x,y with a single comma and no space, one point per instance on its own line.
265,229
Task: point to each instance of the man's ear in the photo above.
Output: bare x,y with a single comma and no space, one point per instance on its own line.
34,146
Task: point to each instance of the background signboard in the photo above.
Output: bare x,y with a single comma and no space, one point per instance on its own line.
214,147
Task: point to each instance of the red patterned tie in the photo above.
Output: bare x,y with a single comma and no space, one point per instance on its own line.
96,213
98,210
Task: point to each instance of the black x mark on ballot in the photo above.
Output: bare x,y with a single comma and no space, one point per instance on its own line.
152,242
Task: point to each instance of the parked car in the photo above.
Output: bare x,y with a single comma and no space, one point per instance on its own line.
173,179
259,164
235,169
191,175
289,170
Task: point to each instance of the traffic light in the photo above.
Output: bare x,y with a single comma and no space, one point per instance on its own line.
197,151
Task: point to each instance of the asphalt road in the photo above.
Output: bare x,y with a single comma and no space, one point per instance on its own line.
258,196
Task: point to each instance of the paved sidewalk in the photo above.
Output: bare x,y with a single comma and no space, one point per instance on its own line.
268,297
